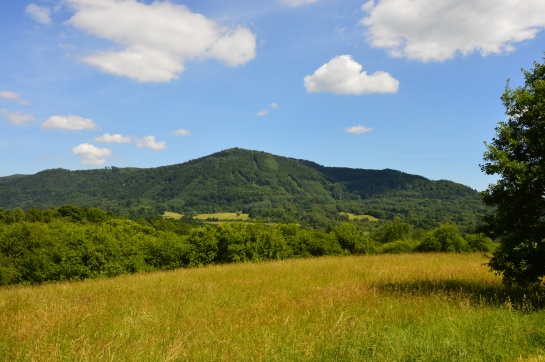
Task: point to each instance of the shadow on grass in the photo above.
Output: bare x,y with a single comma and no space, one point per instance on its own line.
478,294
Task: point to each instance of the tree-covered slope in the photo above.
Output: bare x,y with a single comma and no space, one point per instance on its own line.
271,187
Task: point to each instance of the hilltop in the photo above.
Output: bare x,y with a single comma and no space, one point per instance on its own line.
269,187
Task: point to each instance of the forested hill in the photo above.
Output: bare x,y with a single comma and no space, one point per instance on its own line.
266,186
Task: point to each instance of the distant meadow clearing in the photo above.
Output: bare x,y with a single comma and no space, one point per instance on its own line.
412,307
221,216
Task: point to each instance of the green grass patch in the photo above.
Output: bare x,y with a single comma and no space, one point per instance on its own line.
224,216
172,215
359,217
419,307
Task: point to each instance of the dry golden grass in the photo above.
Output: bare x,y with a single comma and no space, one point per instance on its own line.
172,215
224,216
433,307
358,217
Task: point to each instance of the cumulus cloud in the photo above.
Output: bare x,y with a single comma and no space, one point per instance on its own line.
430,30
113,138
12,96
358,129
297,2
151,143
343,75
157,39
39,14
181,132
91,155
71,123
16,118
262,113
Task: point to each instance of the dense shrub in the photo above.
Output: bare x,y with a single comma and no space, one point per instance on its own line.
480,242
398,247
446,238
392,231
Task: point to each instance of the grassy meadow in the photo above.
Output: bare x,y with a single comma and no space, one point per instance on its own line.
224,216
359,217
219,216
412,307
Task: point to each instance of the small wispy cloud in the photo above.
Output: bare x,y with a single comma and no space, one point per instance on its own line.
359,129
71,123
39,14
294,3
273,106
17,118
12,96
181,132
91,155
151,143
113,138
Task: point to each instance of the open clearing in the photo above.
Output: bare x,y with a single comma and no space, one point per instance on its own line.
220,216
414,307
358,217
224,216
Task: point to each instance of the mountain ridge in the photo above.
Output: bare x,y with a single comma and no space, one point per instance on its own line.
266,186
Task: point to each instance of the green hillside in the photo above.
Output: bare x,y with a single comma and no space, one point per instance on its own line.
266,186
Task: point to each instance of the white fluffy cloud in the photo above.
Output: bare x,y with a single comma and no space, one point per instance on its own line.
358,129
151,143
158,38
72,123
113,138
181,132
431,30
297,2
12,96
91,155
343,75
16,118
40,14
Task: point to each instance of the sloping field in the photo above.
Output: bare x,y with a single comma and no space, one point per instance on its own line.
418,307
224,216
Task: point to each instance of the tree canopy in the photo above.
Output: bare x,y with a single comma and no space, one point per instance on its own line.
267,187
517,155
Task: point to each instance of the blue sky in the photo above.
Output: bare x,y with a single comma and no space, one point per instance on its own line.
408,85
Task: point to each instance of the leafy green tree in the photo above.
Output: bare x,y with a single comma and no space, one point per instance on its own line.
517,155
479,242
348,236
392,231
445,238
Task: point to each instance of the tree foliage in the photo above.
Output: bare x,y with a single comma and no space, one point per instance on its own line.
72,243
267,187
517,155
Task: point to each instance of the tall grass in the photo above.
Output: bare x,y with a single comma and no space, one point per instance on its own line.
418,307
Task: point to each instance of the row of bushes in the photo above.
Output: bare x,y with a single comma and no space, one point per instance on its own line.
37,252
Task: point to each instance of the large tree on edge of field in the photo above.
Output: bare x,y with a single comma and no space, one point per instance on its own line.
517,155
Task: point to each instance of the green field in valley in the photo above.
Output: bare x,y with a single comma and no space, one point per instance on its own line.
359,217
224,216
219,216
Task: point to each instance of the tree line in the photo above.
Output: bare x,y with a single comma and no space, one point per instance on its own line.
73,243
